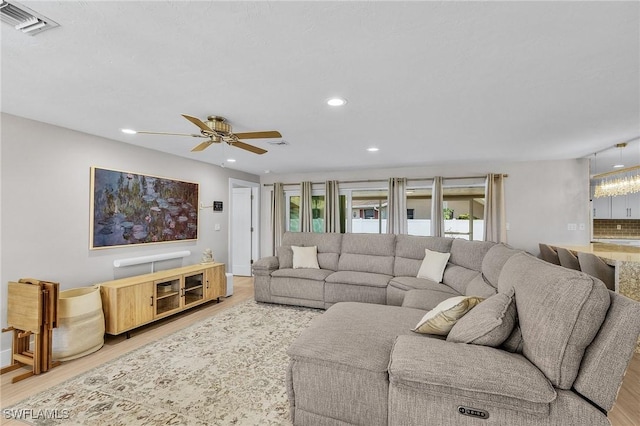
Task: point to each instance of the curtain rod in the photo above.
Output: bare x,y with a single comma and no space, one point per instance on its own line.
383,180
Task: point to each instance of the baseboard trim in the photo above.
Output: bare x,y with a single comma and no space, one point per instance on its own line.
5,358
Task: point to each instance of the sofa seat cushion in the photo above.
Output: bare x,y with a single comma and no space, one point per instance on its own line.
309,274
487,375
358,335
306,284
359,278
559,312
413,283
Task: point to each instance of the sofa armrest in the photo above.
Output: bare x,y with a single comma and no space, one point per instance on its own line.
480,373
265,265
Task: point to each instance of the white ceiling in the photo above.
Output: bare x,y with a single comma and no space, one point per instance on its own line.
426,82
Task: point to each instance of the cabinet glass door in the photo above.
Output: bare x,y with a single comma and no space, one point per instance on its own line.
193,288
167,295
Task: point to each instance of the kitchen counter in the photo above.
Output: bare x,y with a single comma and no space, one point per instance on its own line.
609,252
619,241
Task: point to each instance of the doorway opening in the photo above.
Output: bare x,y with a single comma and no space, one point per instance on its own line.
244,220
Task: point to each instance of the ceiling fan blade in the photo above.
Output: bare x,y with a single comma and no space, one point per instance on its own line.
246,146
259,135
172,134
197,122
202,146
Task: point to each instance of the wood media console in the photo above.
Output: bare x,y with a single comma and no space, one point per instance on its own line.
131,302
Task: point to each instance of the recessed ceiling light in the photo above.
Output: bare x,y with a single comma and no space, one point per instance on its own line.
373,149
336,101
231,160
618,166
267,171
129,131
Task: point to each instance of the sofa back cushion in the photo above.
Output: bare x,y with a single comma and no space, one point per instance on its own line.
367,253
559,313
478,286
458,278
328,248
493,262
469,253
409,252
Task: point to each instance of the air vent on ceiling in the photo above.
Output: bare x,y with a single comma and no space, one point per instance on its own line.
24,19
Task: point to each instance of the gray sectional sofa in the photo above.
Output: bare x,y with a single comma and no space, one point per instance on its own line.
563,346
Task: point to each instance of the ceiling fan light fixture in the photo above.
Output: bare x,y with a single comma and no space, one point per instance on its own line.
336,102
128,131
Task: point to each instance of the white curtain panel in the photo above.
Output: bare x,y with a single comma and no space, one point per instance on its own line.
331,206
495,225
437,217
277,215
397,206
306,212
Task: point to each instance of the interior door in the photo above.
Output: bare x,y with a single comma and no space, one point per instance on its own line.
241,231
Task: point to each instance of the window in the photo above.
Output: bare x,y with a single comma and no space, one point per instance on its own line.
317,212
419,204
369,211
463,208
294,213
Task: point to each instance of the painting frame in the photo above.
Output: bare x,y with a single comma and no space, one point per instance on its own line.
129,209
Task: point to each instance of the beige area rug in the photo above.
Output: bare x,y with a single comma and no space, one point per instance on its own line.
226,370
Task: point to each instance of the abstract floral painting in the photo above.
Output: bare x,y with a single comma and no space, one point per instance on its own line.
129,208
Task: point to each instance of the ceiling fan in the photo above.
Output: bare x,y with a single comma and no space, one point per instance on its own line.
216,130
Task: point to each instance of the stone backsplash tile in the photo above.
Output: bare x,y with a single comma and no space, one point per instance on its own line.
608,228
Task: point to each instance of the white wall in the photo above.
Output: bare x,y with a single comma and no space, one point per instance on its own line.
46,196
542,197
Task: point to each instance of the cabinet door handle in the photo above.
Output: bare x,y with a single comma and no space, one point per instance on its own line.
151,301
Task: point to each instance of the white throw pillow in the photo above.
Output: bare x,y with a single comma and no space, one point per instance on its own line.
441,319
433,265
305,257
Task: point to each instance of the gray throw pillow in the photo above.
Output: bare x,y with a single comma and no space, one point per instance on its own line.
488,324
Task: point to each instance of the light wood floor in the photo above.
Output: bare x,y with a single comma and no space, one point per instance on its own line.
625,413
